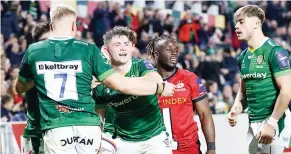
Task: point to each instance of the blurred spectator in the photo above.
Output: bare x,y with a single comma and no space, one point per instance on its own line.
100,23
131,19
116,16
9,22
227,96
229,66
7,103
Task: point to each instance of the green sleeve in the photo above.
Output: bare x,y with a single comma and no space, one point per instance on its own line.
101,65
25,73
279,62
99,97
145,67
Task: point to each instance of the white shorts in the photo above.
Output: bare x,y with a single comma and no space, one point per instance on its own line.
156,145
27,146
108,145
279,141
72,140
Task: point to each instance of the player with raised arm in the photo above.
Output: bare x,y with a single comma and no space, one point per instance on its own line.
190,95
135,121
32,131
61,69
265,84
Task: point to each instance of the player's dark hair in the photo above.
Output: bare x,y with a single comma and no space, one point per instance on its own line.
119,31
151,47
39,30
5,99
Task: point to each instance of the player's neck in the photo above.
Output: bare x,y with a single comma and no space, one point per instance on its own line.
123,69
63,33
256,40
165,73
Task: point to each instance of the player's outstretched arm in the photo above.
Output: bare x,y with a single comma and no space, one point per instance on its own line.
205,116
238,104
138,86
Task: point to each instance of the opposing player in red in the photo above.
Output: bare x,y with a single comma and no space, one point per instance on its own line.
190,95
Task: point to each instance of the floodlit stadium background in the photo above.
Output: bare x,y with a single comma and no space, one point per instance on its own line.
208,46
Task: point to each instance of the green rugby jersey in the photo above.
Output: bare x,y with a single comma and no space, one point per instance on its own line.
259,68
32,128
62,70
135,118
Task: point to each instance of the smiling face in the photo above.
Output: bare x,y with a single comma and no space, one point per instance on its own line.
167,54
120,49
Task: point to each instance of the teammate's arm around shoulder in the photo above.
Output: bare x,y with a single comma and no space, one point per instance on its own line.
104,73
201,104
24,81
237,106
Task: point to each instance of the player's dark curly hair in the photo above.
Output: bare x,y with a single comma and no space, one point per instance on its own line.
39,30
151,45
118,31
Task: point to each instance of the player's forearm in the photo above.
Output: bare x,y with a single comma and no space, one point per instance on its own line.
281,103
207,127
239,99
139,86
132,86
23,87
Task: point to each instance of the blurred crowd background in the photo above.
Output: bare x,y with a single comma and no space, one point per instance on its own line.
204,30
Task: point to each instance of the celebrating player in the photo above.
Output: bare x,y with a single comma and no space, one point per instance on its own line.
190,95
136,120
265,84
32,131
62,68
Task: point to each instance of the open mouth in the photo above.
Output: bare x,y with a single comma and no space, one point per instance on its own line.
173,60
238,32
123,54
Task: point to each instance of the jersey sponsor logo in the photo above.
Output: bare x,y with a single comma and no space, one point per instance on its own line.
148,65
124,101
254,75
250,57
180,86
67,109
76,139
282,59
66,66
173,101
260,59
80,42
202,88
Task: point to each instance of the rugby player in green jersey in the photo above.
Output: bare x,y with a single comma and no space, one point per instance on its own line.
32,131
136,121
265,84
62,68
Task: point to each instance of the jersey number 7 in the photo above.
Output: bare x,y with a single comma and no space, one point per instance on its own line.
61,86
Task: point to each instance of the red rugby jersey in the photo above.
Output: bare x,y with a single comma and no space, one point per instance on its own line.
178,110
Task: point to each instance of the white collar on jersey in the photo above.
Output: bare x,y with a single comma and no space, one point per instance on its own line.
60,37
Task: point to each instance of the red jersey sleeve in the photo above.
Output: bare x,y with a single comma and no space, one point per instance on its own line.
198,90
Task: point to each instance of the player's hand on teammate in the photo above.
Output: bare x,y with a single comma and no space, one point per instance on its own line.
210,152
265,136
169,89
232,118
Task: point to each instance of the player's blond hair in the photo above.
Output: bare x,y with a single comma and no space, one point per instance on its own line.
61,11
250,11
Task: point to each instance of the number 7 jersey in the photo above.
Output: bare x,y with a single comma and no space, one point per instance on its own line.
178,110
62,70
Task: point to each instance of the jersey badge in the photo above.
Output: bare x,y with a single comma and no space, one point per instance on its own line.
260,59
180,86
